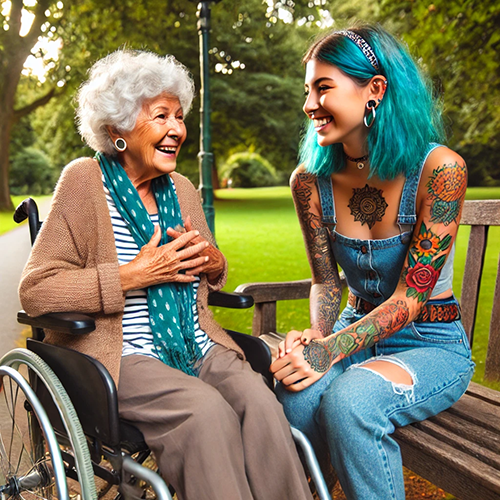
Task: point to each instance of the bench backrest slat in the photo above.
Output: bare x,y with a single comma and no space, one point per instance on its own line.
481,213
492,366
471,280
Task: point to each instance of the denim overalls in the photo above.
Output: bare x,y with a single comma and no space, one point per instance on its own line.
352,411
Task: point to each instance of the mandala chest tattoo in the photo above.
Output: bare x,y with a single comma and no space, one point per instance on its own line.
367,205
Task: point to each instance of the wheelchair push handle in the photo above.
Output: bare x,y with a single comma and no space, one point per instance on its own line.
28,209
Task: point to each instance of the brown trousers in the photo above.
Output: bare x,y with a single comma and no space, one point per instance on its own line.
220,436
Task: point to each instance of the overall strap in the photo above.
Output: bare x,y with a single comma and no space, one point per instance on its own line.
325,190
408,207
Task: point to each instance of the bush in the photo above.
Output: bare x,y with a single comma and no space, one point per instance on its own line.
249,170
31,172
483,164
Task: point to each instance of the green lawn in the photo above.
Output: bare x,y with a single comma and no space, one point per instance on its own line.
258,231
6,221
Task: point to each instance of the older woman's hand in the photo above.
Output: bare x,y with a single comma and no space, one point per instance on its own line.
214,264
160,264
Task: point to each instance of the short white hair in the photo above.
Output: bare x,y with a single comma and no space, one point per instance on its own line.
117,87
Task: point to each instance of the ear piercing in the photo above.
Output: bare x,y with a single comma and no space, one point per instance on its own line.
370,110
120,144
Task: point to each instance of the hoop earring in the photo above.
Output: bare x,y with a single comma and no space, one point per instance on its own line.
370,109
120,144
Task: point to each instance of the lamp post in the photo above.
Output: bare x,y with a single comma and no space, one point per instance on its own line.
205,155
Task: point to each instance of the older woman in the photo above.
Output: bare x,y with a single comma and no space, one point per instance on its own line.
126,241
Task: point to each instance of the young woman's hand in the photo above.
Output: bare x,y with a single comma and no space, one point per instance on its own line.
294,338
213,265
161,264
297,369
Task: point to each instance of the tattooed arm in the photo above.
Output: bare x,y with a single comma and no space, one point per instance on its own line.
326,290
440,199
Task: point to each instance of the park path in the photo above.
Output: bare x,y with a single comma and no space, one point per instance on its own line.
14,251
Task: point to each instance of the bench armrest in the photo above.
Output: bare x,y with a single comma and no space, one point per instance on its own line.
64,322
274,291
265,296
230,300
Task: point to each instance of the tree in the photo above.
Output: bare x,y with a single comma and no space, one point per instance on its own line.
459,44
14,49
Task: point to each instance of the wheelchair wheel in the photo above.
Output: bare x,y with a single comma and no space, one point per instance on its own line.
26,470
32,435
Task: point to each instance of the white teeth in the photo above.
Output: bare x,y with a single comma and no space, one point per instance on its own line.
322,121
167,149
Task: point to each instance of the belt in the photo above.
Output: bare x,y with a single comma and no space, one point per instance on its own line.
441,313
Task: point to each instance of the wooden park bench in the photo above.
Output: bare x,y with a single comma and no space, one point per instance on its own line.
459,449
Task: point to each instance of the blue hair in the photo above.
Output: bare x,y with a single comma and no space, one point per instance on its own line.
408,118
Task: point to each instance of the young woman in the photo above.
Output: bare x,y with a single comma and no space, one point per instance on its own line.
378,197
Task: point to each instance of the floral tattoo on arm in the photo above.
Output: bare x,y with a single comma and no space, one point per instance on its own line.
382,322
427,254
446,188
426,257
321,259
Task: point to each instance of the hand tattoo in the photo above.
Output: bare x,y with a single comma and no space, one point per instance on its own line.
367,205
317,355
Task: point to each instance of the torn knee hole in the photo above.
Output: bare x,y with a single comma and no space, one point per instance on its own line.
390,371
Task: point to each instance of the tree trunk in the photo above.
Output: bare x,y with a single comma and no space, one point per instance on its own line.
6,115
14,49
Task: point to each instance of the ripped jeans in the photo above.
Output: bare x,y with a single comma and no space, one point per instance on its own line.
351,412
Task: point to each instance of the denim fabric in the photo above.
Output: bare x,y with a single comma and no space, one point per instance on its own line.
367,261
352,411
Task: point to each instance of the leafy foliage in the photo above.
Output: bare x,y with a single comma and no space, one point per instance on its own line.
249,170
256,105
460,44
31,172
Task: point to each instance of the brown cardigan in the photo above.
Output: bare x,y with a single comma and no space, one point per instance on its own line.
73,265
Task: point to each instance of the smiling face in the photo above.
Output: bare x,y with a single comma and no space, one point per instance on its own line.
336,104
155,141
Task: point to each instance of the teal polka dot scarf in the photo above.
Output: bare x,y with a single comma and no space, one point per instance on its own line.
170,304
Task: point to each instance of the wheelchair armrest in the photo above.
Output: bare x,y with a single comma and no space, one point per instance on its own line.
64,322
28,209
257,353
230,300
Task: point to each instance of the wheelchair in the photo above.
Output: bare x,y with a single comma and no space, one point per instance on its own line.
61,435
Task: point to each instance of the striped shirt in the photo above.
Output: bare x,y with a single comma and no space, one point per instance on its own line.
137,334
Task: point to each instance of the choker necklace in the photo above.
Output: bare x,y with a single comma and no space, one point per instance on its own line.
358,161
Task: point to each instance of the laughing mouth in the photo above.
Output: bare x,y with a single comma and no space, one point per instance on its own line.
167,149
320,122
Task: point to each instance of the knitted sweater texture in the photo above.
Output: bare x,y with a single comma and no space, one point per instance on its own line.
73,266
